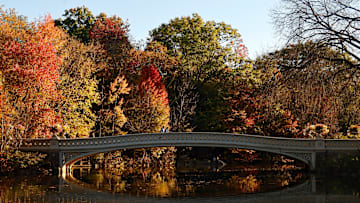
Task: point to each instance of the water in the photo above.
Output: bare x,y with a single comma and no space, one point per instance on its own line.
188,179
90,185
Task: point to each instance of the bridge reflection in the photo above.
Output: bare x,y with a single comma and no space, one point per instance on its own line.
303,193
159,184
71,189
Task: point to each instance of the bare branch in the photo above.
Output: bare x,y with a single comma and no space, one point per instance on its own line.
335,23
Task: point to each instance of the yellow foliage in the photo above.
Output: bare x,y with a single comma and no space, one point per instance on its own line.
78,88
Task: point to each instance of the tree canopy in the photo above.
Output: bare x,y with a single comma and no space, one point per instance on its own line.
203,47
78,22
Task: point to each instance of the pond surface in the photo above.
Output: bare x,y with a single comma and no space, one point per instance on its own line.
90,185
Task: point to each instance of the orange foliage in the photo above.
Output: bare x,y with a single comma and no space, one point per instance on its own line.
147,108
29,71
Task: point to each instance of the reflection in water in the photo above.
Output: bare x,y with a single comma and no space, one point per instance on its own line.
156,172
199,187
152,182
20,189
248,184
118,178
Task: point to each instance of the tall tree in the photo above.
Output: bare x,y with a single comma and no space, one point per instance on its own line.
205,50
111,115
78,87
30,72
332,23
147,107
179,83
183,97
112,35
244,101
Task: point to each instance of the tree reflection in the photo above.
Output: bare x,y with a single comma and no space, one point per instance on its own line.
286,178
155,182
247,184
139,181
23,190
156,172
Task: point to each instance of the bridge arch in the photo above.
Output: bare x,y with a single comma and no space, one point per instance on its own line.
300,149
303,157
310,151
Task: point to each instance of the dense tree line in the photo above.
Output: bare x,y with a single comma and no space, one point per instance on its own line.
81,76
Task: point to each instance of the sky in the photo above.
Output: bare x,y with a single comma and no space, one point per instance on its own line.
250,17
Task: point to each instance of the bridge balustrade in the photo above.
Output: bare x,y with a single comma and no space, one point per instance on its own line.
302,149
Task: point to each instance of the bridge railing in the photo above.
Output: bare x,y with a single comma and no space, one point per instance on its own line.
338,144
176,139
41,143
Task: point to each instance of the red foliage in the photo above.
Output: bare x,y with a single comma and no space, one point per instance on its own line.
30,64
240,49
244,110
280,124
30,71
110,33
151,81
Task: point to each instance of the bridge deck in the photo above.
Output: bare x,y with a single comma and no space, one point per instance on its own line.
302,149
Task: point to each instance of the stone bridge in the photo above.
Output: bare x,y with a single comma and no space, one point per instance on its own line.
309,151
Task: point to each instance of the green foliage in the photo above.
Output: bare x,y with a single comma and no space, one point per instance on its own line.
78,22
202,47
209,52
211,109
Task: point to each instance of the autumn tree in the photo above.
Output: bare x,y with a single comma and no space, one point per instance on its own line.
179,84
28,94
112,35
111,117
147,107
8,136
330,31
29,68
319,91
244,100
331,23
78,87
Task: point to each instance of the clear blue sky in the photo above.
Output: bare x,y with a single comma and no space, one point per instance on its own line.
250,17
